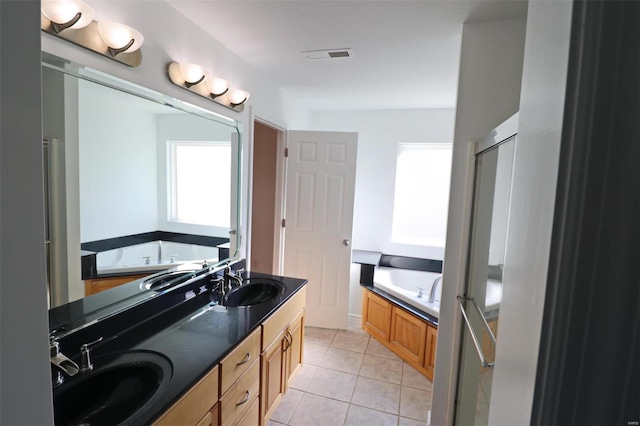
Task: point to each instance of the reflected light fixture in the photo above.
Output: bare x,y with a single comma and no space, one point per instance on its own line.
189,76
72,20
63,14
119,37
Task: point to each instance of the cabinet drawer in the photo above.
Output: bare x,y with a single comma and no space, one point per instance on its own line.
195,404
238,361
274,325
252,418
237,401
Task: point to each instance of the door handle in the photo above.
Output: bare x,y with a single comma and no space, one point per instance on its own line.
346,242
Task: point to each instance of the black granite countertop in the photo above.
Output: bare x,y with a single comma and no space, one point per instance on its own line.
185,329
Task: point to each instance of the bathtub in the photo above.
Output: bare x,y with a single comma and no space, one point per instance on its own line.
404,283
160,254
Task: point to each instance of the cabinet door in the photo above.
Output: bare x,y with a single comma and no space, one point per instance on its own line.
408,336
273,385
101,284
376,316
430,351
293,354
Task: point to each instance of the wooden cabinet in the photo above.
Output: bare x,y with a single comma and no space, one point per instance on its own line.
197,406
430,350
410,337
293,352
97,285
281,359
488,348
235,403
239,360
376,316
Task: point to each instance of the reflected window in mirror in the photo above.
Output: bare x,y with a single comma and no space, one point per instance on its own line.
194,167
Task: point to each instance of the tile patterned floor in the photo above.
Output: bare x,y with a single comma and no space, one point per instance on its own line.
351,379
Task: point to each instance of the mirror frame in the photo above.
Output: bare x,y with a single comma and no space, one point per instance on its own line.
69,317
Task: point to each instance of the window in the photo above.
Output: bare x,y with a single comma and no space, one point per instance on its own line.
200,182
421,199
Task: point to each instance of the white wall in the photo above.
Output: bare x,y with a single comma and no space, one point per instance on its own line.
488,94
531,213
379,133
118,165
25,379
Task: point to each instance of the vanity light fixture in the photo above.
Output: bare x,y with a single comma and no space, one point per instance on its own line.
190,76
63,14
119,37
72,20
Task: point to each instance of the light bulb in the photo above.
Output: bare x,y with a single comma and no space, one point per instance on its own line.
64,11
238,97
217,86
118,37
192,73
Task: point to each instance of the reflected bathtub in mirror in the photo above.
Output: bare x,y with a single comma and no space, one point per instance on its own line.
137,182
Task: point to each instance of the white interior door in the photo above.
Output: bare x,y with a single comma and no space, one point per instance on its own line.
321,168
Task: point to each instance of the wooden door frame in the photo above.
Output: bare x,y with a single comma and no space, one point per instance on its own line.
281,172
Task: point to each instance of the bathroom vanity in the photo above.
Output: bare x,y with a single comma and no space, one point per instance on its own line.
182,358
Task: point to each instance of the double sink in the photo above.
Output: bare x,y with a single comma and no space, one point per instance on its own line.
125,385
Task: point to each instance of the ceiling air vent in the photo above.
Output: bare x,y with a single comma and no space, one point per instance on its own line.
314,55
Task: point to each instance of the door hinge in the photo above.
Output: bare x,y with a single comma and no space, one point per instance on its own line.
283,223
286,152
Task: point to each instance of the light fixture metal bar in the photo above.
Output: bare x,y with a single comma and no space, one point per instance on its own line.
89,38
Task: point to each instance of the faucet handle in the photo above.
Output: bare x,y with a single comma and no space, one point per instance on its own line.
420,291
85,359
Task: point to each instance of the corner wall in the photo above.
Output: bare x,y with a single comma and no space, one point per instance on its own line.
25,378
488,94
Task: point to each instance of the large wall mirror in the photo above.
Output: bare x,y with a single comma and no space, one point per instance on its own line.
137,183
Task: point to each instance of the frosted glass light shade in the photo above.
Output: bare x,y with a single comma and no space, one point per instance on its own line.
118,35
237,97
63,11
217,86
191,73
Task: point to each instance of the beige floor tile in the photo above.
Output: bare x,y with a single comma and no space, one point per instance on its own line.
387,370
342,360
314,410
320,336
376,348
287,406
313,353
302,379
272,423
355,324
415,403
351,341
403,421
361,416
332,384
413,378
382,396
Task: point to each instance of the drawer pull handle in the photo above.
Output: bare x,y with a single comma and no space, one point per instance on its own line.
245,399
245,360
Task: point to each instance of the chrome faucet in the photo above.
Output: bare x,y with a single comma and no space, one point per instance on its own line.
61,362
159,252
434,286
230,276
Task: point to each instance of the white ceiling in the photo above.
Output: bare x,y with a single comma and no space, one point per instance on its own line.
406,53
